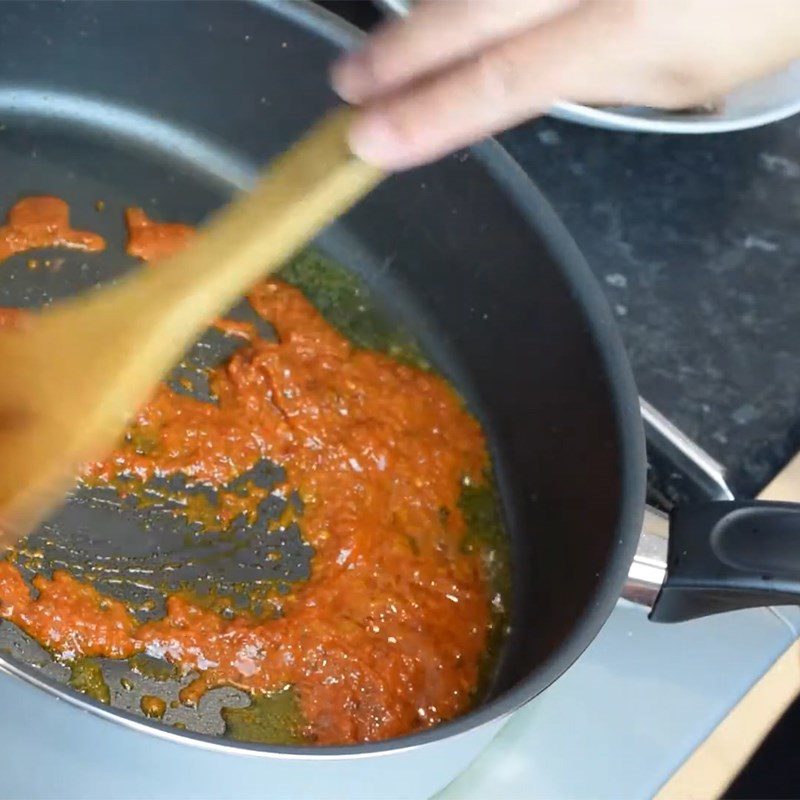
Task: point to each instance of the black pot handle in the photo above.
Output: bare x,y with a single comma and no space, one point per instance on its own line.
726,555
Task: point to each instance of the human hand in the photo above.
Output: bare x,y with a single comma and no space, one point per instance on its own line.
456,71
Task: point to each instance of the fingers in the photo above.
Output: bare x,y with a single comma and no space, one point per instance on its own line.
437,34
571,56
660,53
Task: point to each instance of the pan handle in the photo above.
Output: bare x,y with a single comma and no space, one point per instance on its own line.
728,555
707,558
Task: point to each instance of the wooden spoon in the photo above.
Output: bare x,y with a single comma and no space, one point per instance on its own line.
74,375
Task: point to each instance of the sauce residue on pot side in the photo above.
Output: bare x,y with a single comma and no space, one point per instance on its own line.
13,318
150,240
36,222
152,706
388,634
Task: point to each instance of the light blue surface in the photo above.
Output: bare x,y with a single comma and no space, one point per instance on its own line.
615,726
630,711
791,614
51,749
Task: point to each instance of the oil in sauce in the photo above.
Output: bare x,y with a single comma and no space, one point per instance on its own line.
390,633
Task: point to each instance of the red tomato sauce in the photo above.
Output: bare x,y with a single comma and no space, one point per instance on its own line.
12,317
387,635
151,240
36,222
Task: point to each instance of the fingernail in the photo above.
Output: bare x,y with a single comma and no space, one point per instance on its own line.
348,78
375,140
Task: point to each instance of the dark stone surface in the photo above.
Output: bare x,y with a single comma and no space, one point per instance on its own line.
696,241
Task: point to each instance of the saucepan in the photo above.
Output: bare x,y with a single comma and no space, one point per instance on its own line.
174,106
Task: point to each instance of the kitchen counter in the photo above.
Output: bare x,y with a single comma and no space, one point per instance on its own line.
696,241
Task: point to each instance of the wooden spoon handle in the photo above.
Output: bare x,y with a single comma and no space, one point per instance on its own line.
148,320
303,190
115,343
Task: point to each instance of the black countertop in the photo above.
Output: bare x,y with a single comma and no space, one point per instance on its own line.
696,241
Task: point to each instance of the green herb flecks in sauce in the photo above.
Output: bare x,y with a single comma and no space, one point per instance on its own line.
270,718
346,304
154,668
486,535
86,676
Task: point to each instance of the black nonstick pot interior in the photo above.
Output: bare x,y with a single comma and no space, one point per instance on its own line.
173,106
